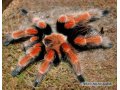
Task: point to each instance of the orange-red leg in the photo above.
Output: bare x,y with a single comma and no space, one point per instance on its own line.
45,66
71,21
95,41
80,40
20,34
24,33
92,41
83,17
31,55
73,60
29,43
40,28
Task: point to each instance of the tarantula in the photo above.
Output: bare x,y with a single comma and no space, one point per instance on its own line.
43,44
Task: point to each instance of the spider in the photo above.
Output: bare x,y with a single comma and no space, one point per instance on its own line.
73,32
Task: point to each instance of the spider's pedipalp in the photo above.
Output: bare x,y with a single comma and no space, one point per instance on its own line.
45,66
73,60
32,54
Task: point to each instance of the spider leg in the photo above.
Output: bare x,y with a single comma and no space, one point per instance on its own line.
73,60
30,56
91,16
45,66
91,42
68,22
16,35
43,26
84,18
67,25
38,29
94,41
29,43
64,24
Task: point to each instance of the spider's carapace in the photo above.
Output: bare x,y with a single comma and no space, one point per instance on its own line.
54,41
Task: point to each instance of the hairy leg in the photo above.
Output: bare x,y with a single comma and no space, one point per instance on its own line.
30,56
93,41
45,66
29,43
70,21
73,60
38,29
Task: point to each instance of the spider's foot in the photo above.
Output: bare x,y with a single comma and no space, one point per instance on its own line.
110,45
38,80
6,43
81,78
8,40
24,11
16,71
105,12
106,43
36,83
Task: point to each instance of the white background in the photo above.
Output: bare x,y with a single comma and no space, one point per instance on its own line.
118,44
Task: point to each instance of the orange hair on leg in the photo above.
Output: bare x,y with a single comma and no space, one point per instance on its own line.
18,34
70,24
24,60
32,53
68,50
73,60
83,17
97,40
63,19
23,33
31,31
42,24
34,38
49,57
80,40
44,67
